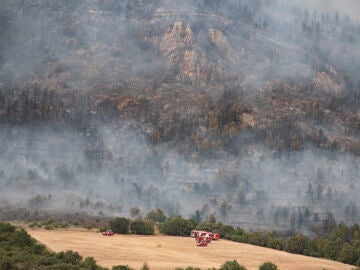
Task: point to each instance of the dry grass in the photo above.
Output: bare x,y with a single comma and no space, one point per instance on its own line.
165,252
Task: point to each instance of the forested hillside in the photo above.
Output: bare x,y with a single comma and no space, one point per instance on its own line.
244,110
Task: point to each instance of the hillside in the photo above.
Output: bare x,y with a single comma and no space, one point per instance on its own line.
166,252
248,110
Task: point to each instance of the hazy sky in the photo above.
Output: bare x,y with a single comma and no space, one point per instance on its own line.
351,7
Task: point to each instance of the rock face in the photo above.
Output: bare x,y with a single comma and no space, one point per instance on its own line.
324,83
186,60
177,37
219,40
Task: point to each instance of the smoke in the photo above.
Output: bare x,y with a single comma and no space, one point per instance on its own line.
348,7
84,44
109,168
114,169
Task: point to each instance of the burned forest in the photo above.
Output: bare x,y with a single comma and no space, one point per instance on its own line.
244,111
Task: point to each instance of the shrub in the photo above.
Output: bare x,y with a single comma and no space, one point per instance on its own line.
88,227
122,267
232,265
38,249
347,254
33,225
64,225
72,257
275,243
218,228
49,227
142,227
47,261
90,264
189,268
21,238
104,229
224,229
6,263
177,226
297,244
6,227
156,216
206,226
268,266
259,239
120,225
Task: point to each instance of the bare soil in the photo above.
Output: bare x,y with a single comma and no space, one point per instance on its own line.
167,252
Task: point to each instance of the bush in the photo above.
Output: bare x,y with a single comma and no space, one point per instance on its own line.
6,227
47,261
218,228
224,230
297,244
104,229
6,263
64,225
232,265
142,227
189,268
347,254
72,257
22,239
49,227
19,251
177,226
156,216
206,226
122,267
120,225
33,225
88,227
259,239
268,266
38,249
90,264
275,243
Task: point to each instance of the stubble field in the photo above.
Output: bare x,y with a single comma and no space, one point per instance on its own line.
167,252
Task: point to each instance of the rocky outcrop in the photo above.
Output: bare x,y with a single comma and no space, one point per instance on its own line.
186,59
176,38
219,40
325,84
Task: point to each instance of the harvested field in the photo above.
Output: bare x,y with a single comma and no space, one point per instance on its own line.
166,252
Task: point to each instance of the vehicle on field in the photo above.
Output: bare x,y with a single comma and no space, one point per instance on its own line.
202,244
216,236
198,233
202,237
108,233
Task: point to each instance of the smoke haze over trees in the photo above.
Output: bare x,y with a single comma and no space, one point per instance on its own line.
244,110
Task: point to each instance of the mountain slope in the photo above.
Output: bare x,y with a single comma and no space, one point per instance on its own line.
241,108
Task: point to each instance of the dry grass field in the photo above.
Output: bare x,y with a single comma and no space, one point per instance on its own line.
166,252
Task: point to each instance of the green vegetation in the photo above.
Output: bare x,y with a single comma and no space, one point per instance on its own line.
122,267
341,244
338,243
232,265
142,227
268,266
120,225
156,216
19,251
177,226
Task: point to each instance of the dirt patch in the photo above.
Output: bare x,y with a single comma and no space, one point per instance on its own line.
167,253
